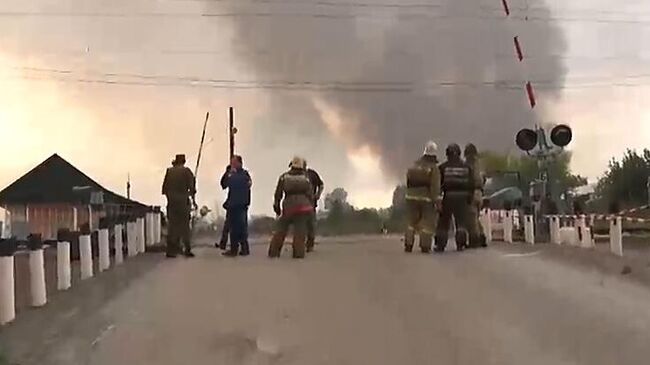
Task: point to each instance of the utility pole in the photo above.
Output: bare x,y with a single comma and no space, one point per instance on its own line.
128,186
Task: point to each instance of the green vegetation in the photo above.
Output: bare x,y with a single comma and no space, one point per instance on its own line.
624,182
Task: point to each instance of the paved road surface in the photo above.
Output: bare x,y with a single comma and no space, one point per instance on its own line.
349,303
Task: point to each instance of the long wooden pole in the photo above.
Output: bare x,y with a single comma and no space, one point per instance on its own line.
231,130
198,159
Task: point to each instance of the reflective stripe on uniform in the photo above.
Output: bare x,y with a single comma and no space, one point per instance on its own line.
411,228
418,198
426,231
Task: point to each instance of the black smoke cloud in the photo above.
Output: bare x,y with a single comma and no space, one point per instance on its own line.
412,72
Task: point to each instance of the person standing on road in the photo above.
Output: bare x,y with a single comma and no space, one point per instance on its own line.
422,199
457,182
293,204
238,182
179,186
225,232
476,234
317,190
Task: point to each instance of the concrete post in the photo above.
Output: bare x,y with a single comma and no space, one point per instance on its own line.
158,225
149,225
616,236
555,230
487,228
37,277
140,232
63,270
529,229
119,245
104,250
508,224
587,241
7,290
131,239
86,257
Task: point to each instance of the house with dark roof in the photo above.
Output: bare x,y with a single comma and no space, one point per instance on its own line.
56,195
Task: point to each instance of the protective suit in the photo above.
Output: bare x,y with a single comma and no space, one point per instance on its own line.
474,226
422,199
294,205
457,184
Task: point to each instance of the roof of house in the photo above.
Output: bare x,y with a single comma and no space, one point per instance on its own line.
55,180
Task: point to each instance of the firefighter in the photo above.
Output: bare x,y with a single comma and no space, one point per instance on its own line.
457,184
179,187
476,234
422,199
293,205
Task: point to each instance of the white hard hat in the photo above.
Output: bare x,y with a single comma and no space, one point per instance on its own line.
430,149
297,163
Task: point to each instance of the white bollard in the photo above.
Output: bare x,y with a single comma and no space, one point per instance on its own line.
141,235
104,250
37,278
63,270
554,225
587,241
616,236
119,245
529,229
7,290
86,257
149,225
508,223
158,225
487,228
131,239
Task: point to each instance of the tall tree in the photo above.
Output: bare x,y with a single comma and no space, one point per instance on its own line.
625,180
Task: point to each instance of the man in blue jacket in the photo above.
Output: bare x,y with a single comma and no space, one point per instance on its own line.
238,182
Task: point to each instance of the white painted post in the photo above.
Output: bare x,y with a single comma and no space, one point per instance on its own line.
7,290
508,223
141,235
616,236
529,229
487,228
104,250
555,230
75,219
119,245
131,239
158,225
86,256
149,225
586,242
63,270
37,278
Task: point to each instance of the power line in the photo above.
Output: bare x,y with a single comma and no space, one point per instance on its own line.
338,86
315,15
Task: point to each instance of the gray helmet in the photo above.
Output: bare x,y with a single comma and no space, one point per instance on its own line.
453,150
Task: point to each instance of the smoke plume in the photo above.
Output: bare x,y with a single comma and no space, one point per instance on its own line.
396,74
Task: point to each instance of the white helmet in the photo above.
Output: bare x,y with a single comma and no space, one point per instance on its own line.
430,149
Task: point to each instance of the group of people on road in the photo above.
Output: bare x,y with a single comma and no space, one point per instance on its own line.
437,193
295,201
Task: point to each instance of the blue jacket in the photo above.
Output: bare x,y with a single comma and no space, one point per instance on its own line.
239,189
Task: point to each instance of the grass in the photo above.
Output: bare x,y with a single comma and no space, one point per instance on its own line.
3,360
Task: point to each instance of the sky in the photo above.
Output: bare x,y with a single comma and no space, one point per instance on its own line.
119,88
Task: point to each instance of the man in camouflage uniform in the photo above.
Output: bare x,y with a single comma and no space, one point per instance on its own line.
422,199
475,228
457,184
293,204
179,187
